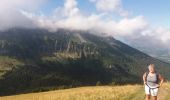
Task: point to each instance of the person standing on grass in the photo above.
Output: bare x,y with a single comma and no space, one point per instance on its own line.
152,81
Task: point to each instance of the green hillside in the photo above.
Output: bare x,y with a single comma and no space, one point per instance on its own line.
35,60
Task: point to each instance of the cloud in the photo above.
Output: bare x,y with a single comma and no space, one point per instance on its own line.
110,6
131,26
152,40
10,15
68,16
135,30
70,8
72,18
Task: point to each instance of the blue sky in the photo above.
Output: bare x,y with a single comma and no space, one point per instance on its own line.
139,22
84,5
155,11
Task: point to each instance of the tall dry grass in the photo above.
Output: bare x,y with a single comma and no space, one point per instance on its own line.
83,93
127,92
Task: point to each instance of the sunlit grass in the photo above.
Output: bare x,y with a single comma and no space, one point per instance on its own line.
127,92
82,93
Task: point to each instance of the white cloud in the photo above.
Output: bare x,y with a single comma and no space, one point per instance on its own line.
134,30
150,39
110,6
131,26
72,18
163,33
10,15
70,8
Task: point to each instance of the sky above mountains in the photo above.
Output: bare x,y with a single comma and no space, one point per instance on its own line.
136,22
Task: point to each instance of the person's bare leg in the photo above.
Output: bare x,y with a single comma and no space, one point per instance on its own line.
148,97
154,97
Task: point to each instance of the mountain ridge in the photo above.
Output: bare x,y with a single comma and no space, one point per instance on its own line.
39,60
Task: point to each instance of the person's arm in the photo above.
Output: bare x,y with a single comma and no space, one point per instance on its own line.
161,80
144,78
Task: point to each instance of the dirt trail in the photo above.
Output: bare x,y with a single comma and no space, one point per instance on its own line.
162,94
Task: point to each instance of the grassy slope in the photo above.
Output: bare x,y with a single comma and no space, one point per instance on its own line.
7,64
127,92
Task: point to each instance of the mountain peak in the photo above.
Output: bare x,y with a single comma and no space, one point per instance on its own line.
37,58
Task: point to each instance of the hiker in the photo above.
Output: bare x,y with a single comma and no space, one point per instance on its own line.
152,81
